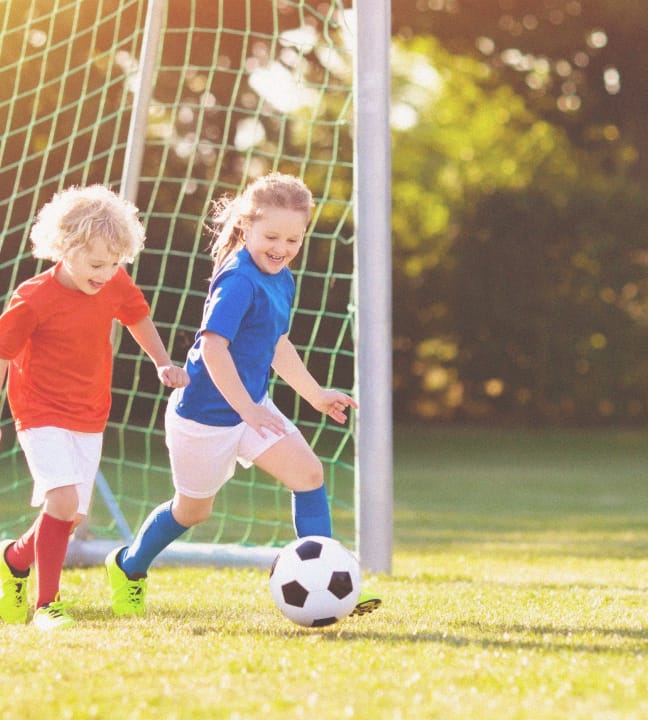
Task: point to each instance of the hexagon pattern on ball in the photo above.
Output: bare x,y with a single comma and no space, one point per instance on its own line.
315,581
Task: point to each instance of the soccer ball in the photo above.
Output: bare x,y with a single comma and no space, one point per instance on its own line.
315,581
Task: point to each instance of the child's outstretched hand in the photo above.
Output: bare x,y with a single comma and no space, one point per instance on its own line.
334,404
173,376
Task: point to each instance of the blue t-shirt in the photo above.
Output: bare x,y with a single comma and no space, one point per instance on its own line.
252,310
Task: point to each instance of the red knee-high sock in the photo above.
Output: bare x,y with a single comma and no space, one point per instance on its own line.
50,546
20,555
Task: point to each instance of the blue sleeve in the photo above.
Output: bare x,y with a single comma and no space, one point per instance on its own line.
230,300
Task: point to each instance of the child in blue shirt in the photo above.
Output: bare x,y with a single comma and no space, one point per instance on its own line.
225,415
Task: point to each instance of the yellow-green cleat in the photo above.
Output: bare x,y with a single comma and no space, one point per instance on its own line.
367,603
53,616
128,595
13,597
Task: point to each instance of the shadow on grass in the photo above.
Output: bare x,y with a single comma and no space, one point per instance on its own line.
630,640
515,637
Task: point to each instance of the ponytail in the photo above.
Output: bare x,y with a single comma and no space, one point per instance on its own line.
227,231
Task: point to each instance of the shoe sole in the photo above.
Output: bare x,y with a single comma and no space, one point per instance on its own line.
55,627
366,607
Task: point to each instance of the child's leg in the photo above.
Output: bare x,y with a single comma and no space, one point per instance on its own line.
20,555
63,465
202,459
127,567
51,540
311,515
158,530
50,546
293,463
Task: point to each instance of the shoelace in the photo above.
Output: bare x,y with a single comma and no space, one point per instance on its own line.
135,591
18,590
58,608
15,587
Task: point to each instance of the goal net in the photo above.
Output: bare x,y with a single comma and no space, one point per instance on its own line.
232,90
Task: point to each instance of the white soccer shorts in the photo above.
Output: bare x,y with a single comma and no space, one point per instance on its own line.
58,457
203,457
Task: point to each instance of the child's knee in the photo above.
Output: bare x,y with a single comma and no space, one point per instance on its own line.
62,503
313,475
189,512
76,521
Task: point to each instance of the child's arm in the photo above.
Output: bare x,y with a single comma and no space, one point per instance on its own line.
223,373
290,367
148,338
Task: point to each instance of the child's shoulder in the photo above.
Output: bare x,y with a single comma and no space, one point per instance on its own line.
37,285
234,270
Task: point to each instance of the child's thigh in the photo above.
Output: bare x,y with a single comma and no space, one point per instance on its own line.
202,457
292,462
58,458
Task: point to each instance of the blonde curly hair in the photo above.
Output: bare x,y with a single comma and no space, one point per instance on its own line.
77,216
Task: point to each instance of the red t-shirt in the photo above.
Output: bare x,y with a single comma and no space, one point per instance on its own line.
58,342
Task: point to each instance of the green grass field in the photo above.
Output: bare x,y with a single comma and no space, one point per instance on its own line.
519,591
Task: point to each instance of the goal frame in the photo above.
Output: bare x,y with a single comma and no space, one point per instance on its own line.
373,493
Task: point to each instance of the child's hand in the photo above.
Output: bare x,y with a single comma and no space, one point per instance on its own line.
263,420
173,376
334,404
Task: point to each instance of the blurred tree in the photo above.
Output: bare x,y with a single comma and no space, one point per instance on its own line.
579,63
518,283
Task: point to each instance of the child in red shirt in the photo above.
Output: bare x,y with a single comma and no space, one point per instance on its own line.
55,345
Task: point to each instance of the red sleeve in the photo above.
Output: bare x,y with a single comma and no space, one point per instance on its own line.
133,306
17,323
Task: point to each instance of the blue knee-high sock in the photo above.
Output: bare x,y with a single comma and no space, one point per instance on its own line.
158,530
311,515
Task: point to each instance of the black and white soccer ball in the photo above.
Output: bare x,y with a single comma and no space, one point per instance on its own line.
315,581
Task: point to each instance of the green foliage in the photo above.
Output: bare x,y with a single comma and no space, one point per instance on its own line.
518,288
460,136
576,63
550,307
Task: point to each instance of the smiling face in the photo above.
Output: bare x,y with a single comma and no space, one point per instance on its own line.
275,237
88,268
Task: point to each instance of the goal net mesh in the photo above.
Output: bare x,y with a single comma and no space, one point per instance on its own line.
239,89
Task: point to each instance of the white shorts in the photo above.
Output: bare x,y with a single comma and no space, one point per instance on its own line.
57,457
203,457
